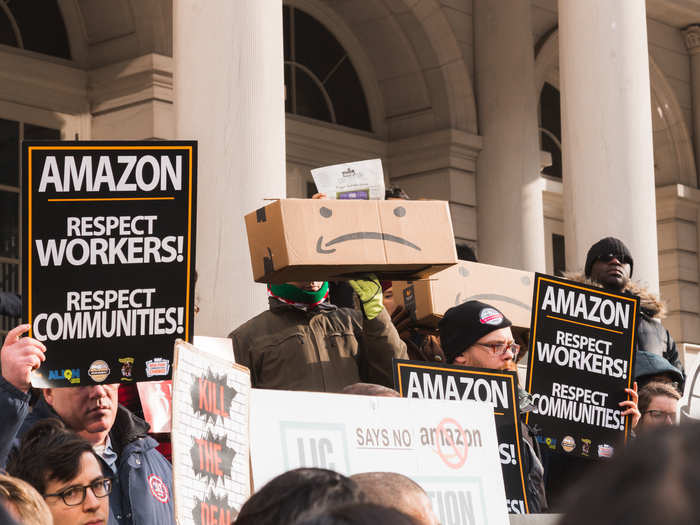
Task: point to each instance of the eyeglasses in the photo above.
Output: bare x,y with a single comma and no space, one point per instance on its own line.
73,496
659,415
624,259
498,349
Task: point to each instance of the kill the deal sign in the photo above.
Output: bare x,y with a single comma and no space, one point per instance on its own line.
108,257
497,388
209,436
581,353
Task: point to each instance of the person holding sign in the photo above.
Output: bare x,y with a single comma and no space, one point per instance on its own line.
142,476
609,265
305,343
478,335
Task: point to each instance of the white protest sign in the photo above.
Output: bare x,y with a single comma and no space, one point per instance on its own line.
353,180
689,405
450,449
209,437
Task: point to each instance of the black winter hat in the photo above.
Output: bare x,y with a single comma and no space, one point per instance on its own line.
465,324
604,247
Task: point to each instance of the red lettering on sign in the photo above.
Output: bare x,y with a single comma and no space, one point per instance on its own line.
209,458
215,515
211,398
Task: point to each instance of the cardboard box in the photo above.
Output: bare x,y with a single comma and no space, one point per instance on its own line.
508,290
311,239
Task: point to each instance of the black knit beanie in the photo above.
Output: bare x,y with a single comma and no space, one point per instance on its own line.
465,324
605,247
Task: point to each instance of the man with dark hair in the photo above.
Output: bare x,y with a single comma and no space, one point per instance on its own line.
142,476
298,493
609,264
63,467
303,342
390,489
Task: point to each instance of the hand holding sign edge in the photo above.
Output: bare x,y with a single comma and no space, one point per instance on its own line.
20,356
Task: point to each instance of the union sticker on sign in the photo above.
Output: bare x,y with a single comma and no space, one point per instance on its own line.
448,448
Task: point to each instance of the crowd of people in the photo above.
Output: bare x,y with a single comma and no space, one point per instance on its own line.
76,456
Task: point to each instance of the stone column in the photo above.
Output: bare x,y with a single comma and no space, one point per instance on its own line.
229,95
510,220
606,127
692,42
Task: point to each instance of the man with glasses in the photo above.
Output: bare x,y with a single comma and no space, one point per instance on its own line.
609,264
657,403
478,335
63,468
142,477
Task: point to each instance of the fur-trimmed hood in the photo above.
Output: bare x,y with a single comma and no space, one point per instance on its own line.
650,303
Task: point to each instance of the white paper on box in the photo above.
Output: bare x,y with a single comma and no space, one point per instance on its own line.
449,448
353,180
209,437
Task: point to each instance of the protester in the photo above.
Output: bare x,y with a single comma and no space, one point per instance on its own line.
654,480
609,265
397,491
23,502
359,514
305,343
64,468
658,403
298,493
142,476
370,389
478,335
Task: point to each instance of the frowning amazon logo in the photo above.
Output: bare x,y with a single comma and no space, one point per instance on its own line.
327,213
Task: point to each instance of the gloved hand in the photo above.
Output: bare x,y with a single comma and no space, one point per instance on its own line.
370,293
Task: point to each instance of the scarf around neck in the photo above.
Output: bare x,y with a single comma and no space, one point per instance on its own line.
290,294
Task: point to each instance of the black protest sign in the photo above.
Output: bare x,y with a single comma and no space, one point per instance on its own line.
581,353
108,257
417,379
